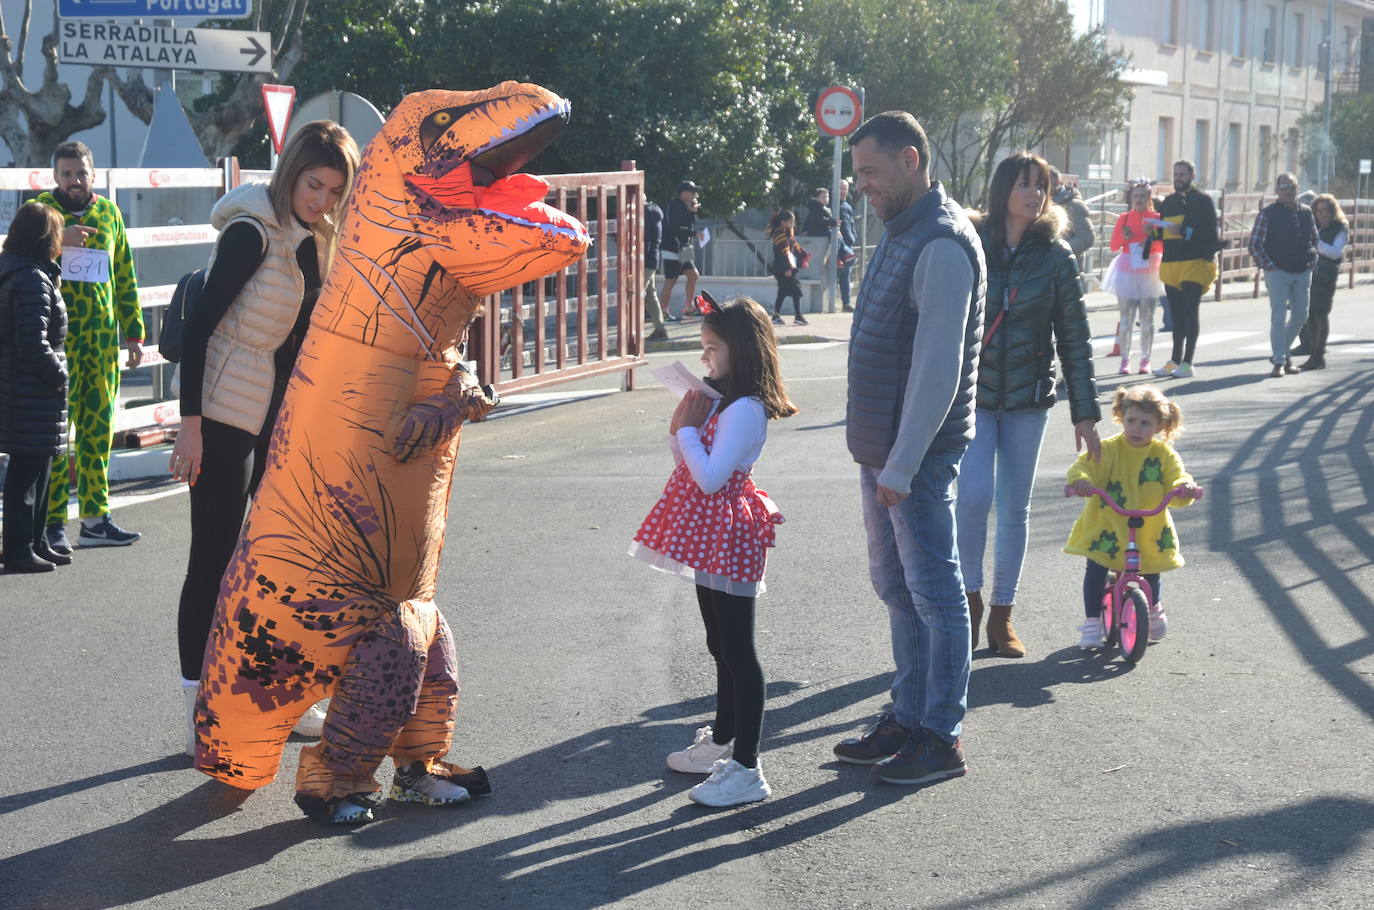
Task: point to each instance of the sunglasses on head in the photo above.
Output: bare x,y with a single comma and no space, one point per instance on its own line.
706,303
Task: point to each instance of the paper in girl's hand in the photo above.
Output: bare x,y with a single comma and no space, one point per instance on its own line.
679,380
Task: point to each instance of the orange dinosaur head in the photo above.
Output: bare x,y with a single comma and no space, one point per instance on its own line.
457,154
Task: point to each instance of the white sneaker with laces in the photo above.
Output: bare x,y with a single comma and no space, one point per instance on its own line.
413,784
1091,636
1159,623
701,756
731,784
312,721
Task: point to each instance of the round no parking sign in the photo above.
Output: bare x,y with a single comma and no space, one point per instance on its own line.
838,111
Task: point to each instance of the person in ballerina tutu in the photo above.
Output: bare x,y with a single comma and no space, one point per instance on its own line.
1134,274
712,526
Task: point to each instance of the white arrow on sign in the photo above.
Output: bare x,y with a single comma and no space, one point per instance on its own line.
164,47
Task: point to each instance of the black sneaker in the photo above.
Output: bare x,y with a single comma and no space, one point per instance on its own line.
57,539
924,759
879,741
106,534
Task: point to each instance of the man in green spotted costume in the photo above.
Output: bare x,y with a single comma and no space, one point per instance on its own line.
104,316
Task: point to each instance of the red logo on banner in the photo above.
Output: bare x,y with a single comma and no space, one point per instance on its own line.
40,180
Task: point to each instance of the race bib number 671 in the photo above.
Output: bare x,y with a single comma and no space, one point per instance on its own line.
82,264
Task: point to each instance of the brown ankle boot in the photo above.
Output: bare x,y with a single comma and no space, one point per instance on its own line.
1000,633
975,615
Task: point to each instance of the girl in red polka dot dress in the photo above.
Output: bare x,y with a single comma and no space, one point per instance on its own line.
712,526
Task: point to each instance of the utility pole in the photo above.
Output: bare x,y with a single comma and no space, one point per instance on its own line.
1326,96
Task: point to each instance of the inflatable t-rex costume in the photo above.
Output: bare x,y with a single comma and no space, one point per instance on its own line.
331,589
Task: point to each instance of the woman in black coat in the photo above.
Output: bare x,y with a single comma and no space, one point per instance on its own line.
33,381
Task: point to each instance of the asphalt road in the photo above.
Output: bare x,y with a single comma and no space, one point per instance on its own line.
1229,769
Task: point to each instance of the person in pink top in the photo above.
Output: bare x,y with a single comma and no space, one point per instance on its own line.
1134,274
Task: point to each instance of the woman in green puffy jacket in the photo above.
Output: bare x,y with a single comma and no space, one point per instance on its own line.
1034,311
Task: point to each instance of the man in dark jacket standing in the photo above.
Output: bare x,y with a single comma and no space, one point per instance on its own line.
1080,235
912,367
679,244
1284,244
653,241
1191,242
33,382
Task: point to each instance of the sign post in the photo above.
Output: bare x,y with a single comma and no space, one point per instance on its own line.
163,46
278,100
838,113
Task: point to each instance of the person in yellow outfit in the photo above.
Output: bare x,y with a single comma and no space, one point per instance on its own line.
104,317
1137,469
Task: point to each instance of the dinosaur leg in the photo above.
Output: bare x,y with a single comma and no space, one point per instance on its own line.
428,735
376,695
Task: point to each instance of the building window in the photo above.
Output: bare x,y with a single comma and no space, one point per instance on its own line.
1323,48
1169,25
1239,26
1271,33
1293,141
1352,60
1164,146
1202,132
1297,28
1266,154
1206,18
1233,141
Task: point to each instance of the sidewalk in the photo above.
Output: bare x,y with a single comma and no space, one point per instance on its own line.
823,327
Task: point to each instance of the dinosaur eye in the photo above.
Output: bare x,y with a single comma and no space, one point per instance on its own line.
443,118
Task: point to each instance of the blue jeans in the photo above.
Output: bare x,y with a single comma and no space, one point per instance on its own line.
1288,299
915,572
999,468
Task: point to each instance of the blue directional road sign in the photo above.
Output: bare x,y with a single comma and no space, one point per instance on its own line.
155,9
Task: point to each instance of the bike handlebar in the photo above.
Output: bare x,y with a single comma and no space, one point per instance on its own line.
1135,513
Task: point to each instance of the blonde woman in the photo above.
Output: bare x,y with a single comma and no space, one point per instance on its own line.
1332,233
239,347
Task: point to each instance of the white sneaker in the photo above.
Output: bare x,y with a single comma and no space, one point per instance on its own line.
1091,636
312,721
413,784
731,784
701,756
1159,623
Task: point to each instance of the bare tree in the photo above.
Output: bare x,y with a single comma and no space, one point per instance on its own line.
34,121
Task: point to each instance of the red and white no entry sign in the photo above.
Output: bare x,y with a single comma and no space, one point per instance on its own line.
838,111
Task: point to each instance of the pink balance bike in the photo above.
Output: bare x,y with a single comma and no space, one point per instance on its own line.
1127,597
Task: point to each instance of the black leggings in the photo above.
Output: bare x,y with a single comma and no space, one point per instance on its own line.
1184,303
230,470
788,286
26,504
729,623
1318,325
1095,582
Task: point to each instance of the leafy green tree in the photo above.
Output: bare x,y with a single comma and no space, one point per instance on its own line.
688,88
1352,138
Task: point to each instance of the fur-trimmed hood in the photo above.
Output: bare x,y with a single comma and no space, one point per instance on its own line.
1048,228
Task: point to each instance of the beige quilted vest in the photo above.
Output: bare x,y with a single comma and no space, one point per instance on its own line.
239,368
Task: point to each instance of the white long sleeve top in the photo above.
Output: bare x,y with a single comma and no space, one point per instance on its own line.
741,431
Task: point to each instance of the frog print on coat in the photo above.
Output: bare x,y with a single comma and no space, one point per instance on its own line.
101,317
1166,539
1151,471
1107,544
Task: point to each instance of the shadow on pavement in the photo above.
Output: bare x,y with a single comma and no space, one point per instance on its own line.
1029,684
1302,478
1315,835
150,854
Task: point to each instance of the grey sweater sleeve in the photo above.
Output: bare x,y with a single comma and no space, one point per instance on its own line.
940,289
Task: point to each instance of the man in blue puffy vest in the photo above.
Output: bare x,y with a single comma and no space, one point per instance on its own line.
912,371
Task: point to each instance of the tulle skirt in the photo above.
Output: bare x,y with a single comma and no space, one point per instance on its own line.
1129,284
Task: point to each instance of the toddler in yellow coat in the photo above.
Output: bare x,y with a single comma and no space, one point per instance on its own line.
1138,467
